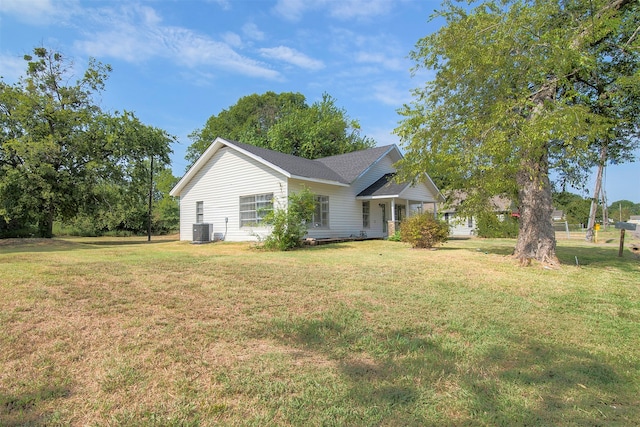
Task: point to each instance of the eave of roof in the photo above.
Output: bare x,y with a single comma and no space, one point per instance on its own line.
340,170
291,166
288,165
351,166
383,187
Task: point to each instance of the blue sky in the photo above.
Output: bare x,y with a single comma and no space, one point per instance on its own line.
177,62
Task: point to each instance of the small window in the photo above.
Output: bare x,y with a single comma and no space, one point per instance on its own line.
470,222
321,214
254,208
365,214
199,212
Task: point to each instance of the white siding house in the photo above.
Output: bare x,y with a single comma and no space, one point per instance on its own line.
460,225
229,183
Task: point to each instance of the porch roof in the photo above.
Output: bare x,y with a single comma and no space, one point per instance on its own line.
384,187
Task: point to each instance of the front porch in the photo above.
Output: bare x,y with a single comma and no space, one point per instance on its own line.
388,213
396,201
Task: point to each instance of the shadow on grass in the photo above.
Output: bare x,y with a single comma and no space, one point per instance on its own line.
58,245
588,255
415,376
598,257
128,242
23,410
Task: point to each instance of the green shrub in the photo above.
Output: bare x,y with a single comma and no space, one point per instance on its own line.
490,226
289,225
424,231
395,237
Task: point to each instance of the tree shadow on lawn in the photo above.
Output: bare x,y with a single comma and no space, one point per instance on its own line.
9,246
416,376
23,410
598,257
595,256
126,241
59,245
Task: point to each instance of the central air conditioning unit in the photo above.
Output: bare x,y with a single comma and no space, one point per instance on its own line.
201,233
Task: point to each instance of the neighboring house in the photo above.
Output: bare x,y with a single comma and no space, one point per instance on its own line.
634,219
232,183
557,215
467,226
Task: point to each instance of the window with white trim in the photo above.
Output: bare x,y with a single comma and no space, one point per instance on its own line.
365,214
199,212
321,213
254,208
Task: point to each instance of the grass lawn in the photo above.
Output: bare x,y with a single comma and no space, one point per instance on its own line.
115,331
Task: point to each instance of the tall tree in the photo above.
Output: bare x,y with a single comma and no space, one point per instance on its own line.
506,100
321,130
59,153
283,122
126,194
607,90
249,121
49,150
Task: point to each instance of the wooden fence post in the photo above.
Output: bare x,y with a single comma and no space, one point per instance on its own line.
621,242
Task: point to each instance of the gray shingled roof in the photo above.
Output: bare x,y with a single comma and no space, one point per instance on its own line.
351,165
343,168
297,166
385,186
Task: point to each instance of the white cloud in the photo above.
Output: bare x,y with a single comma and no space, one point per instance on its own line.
224,4
40,12
386,61
137,34
348,9
381,50
383,136
12,68
390,94
293,10
252,31
292,56
232,39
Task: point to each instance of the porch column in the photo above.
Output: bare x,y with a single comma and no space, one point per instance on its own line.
391,226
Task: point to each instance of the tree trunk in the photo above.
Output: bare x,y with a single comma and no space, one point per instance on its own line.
45,225
596,195
536,237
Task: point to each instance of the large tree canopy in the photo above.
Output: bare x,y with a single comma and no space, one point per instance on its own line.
512,100
60,154
283,122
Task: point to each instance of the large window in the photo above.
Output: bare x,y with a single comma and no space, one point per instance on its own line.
199,212
321,214
253,208
365,214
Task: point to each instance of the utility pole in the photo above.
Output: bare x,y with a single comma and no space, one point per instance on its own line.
150,200
596,194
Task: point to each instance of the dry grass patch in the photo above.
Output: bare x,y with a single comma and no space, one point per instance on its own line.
123,332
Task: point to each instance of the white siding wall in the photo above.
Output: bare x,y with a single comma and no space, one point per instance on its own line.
219,184
376,226
345,212
384,166
419,193
229,175
459,226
